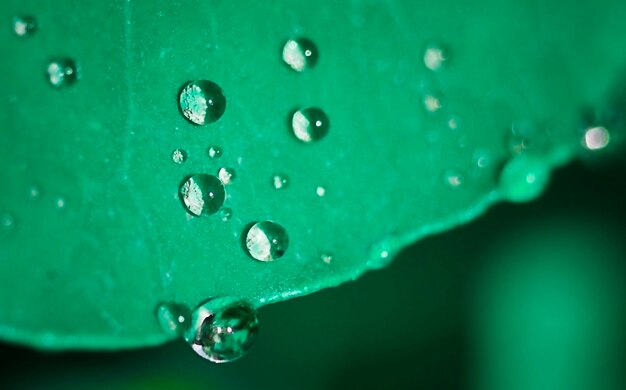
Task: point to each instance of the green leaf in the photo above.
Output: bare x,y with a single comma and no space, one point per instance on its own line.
94,234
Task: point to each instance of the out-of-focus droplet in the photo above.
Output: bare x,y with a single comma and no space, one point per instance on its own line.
435,57
300,54
320,191
174,318
523,178
7,222
453,178
62,72
33,192
596,138
267,241
24,26
202,102
223,329
280,181
432,103
202,194
326,257
179,156
310,124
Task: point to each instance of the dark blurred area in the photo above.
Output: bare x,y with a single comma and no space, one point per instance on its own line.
528,296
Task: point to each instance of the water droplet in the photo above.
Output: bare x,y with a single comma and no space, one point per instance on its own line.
32,192
225,214
223,329
280,181
24,25
310,124
523,178
267,241
380,255
435,57
214,152
481,158
7,222
453,179
202,194
300,54
226,175
179,156
174,318
320,191
453,123
432,103
326,257
202,102
524,136
61,72
596,138
60,203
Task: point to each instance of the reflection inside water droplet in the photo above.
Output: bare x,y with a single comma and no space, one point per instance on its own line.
223,329
300,54
202,102
266,241
202,194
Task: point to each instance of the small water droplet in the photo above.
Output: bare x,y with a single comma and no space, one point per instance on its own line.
179,156
320,191
523,178
524,136
33,192
214,152
225,214
326,257
24,25
267,241
202,194
280,181
310,124
481,158
300,54
60,202
7,222
453,179
202,102
174,318
61,72
596,138
226,175
223,329
453,123
432,103
435,57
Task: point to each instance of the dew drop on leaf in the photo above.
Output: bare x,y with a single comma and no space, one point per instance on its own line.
266,241
61,72
300,54
310,124
202,102
202,194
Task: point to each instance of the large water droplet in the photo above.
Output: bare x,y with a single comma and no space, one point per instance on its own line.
174,318
280,181
202,102
596,138
435,57
226,175
61,72
300,54
24,25
223,329
523,178
310,124
214,152
202,194
267,241
179,156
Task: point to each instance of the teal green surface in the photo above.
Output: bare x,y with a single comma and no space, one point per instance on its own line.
98,267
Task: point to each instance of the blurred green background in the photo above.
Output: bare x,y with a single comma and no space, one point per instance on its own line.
528,296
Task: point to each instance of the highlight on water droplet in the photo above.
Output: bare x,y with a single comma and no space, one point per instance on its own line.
596,138
435,57
214,152
432,103
179,156
202,102
225,214
202,194
223,329
266,241
523,178
300,54
326,257
24,25
7,222
226,175
61,72
174,318
310,124
280,181
320,191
